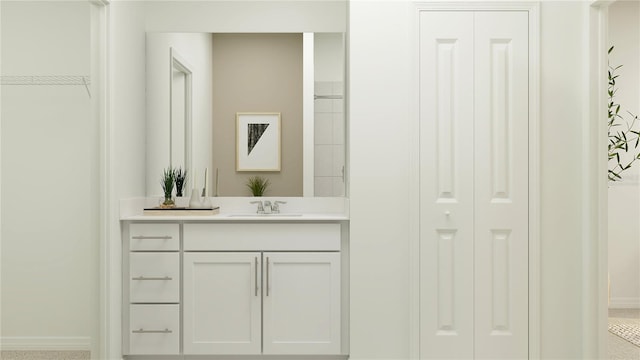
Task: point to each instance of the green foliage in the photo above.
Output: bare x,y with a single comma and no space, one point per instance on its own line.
258,185
624,134
167,182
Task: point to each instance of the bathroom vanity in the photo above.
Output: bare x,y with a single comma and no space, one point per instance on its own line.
235,283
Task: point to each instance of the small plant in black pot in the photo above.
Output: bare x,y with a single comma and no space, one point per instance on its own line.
258,185
181,176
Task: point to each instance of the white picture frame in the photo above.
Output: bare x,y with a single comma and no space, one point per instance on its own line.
258,141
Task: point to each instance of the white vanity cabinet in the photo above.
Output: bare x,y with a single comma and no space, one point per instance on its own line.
243,294
205,289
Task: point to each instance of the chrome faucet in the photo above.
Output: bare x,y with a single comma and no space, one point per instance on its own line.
267,207
276,206
260,206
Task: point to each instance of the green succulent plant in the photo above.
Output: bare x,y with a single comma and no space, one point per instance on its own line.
258,185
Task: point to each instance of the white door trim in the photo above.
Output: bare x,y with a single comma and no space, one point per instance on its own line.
534,168
595,191
107,344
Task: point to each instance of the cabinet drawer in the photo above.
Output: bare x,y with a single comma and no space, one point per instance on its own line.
262,237
154,329
154,237
154,277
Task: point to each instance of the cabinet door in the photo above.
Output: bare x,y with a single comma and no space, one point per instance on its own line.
301,303
222,303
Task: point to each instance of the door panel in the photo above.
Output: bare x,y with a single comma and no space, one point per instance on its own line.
501,185
446,191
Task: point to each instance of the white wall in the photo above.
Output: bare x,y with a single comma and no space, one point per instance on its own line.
382,108
195,49
624,196
50,212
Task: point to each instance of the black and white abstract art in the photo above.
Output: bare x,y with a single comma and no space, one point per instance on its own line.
258,142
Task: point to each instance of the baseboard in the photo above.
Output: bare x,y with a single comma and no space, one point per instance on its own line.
58,343
624,303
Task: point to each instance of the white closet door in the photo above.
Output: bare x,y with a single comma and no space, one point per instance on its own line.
446,193
501,185
474,185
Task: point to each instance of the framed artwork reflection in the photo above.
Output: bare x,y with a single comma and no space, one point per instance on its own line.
257,141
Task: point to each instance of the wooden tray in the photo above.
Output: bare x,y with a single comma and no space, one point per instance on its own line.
182,211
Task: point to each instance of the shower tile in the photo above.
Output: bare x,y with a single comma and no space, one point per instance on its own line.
323,160
323,88
338,106
338,186
338,160
338,129
337,88
323,186
323,106
323,129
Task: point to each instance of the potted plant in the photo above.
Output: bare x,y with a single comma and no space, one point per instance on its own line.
258,185
167,182
181,176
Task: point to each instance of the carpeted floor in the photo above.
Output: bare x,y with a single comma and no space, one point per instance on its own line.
620,349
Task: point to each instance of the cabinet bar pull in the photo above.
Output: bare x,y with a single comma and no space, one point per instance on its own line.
142,237
267,276
152,278
256,270
143,331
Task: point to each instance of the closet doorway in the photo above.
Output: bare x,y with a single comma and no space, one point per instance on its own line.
475,195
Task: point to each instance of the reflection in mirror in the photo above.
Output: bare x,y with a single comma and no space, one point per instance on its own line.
180,112
301,76
328,115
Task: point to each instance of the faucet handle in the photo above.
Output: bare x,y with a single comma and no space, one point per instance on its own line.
276,206
260,206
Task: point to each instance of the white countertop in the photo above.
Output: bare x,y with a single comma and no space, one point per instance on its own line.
240,217
240,209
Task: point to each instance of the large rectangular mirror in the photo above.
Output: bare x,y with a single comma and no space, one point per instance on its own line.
301,76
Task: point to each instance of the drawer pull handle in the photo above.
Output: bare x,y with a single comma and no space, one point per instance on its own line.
142,237
152,278
143,331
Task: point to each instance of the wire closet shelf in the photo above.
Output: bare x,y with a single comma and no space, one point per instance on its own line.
55,80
